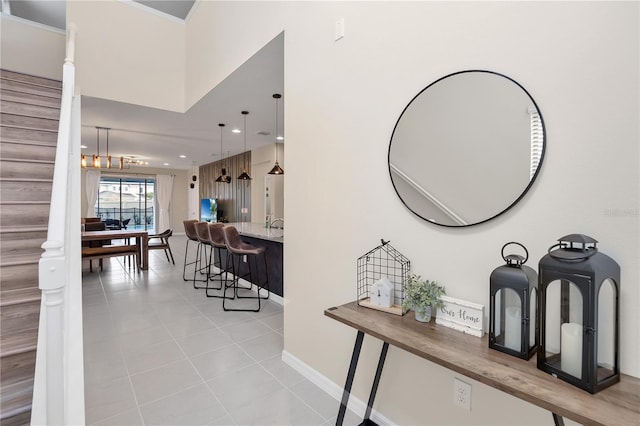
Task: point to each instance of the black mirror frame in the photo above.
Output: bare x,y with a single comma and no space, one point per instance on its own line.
531,181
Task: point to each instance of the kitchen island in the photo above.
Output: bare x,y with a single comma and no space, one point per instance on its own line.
257,234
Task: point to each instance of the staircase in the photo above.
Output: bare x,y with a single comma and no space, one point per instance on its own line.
29,114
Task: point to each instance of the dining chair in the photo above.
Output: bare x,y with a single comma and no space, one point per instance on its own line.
161,242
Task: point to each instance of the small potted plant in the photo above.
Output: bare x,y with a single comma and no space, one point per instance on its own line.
421,296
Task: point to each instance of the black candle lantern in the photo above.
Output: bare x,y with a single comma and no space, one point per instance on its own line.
579,314
513,306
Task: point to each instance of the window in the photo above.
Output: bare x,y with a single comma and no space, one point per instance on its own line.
130,200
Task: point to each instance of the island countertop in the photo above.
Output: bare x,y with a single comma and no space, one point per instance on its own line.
258,230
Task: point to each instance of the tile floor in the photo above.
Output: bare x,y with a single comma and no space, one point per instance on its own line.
158,352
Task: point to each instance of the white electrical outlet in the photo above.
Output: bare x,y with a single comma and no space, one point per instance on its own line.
462,394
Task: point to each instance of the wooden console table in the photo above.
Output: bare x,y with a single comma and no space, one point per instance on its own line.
471,356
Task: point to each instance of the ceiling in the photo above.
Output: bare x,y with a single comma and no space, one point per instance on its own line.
167,139
160,136
53,12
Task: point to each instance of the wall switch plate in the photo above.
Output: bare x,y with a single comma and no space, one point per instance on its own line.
462,394
339,31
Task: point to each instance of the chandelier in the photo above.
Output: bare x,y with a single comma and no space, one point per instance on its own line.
96,160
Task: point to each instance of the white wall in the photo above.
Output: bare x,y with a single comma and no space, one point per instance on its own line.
578,60
124,53
20,37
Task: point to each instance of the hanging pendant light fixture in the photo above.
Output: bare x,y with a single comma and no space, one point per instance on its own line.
96,160
276,170
223,176
108,156
245,175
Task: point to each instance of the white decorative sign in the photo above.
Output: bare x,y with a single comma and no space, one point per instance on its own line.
461,315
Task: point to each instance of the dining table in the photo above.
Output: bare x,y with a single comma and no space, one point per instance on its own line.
141,238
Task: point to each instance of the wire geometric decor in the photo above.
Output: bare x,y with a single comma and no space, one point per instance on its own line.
383,264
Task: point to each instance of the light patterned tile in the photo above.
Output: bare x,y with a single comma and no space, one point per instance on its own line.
104,399
241,388
203,342
193,406
164,381
263,347
221,361
153,356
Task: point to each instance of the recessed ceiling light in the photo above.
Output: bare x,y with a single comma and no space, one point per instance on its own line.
236,131
84,146
166,164
280,138
183,156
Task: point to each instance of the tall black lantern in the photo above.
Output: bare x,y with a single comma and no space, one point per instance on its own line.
579,314
513,306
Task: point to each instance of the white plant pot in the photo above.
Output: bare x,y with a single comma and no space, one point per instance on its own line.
426,317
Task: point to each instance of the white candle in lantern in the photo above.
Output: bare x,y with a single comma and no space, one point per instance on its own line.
513,328
571,349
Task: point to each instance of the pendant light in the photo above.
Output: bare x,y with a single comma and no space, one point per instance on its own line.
277,170
223,176
108,156
245,175
95,160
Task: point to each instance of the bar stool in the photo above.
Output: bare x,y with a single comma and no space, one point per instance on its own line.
220,260
237,250
192,237
202,234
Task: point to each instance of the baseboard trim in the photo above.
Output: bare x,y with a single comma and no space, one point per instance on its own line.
356,405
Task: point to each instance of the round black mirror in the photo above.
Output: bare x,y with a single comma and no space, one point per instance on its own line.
466,148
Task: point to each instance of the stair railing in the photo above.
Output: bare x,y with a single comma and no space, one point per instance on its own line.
58,395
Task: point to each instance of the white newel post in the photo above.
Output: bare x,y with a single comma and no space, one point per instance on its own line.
53,266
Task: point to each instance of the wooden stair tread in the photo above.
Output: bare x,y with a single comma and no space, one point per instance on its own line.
30,88
16,398
31,142
16,343
29,258
27,160
18,297
19,229
29,78
20,262
29,122
14,179
16,135
31,98
9,203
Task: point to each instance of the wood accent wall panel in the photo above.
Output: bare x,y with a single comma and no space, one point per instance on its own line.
232,197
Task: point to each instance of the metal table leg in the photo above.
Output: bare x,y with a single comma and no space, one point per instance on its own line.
558,420
376,381
350,375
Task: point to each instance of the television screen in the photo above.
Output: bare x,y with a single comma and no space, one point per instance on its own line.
208,210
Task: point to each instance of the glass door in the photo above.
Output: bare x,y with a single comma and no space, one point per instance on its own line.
127,203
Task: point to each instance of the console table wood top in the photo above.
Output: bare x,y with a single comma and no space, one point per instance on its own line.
471,356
